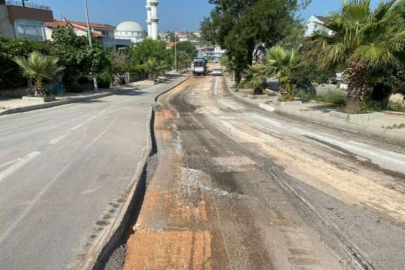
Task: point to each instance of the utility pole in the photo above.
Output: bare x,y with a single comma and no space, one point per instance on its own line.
175,51
90,43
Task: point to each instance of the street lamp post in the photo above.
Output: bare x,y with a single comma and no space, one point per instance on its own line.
90,43
175,51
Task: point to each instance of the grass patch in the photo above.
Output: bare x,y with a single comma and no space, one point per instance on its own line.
331,96
370,106
395,126
395,107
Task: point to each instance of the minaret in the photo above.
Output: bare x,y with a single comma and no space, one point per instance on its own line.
153,18
148,21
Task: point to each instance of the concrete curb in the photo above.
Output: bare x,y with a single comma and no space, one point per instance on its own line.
369,132
111,237
60,103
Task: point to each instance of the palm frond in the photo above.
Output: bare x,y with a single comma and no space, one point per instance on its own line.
39,67
373,55
397,42
383,10
356,12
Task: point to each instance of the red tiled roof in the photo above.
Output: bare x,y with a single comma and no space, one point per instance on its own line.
75,26
94,25
56,23
84,28
170,44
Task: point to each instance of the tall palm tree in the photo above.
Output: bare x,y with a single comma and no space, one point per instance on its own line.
362,39
39,68
280,63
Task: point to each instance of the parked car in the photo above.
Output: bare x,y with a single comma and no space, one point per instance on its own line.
217,72
335,80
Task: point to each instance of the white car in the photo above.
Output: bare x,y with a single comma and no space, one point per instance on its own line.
217,72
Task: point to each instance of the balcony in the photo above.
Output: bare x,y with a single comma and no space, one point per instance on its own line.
27,5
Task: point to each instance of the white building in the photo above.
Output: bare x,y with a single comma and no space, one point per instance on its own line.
314,24
103,33
215,52
130,30
153,18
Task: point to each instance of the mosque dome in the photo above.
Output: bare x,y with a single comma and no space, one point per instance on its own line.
129,26
129,30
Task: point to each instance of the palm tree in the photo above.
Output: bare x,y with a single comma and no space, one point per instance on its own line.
39,68
162,67
184,60
283,63
362,39
280,63
253,78
151,66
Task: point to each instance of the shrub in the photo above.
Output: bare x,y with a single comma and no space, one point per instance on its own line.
331,96
104,80
334,97
103,83
75,88
396,107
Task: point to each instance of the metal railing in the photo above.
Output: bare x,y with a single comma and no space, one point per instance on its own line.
27,4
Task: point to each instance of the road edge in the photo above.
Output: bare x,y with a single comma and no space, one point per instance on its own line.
109,240
352,129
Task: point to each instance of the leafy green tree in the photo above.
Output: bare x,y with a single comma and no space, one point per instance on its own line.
119,60
75,54
11,48
39,68
363,39
228,63
294,37
184,60
153,67
187,47
244,26
142,52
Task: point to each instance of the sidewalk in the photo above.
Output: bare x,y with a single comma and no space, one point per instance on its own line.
385,128
17,105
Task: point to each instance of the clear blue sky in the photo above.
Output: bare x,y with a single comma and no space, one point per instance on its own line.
174,14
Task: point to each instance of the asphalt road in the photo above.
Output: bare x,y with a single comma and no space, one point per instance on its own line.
240,188
64,172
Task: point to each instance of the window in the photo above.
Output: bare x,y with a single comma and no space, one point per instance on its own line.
29,29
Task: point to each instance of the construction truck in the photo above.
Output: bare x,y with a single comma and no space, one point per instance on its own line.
200,66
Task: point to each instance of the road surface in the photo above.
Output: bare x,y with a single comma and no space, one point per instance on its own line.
64,172
239,188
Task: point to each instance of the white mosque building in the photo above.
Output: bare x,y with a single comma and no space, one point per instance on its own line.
153,18
129,30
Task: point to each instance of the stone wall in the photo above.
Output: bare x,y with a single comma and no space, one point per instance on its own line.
14,93
20,92
128,78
